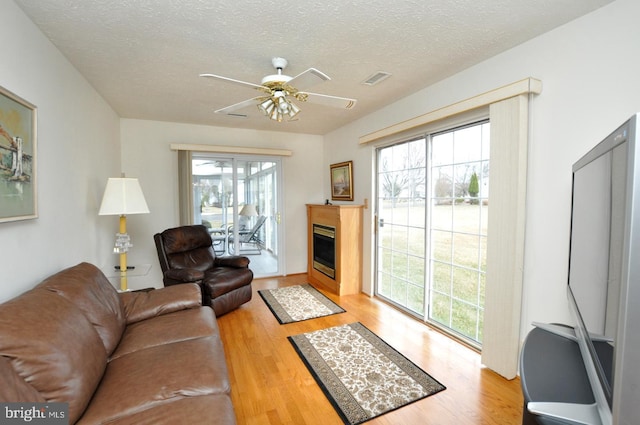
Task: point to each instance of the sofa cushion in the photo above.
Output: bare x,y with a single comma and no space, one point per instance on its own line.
53,347
90,291
154,376
145,305
14,388
166,329
214,409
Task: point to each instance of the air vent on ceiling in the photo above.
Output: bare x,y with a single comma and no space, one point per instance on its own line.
376,78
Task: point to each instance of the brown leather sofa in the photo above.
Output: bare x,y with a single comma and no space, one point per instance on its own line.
151,357
186,256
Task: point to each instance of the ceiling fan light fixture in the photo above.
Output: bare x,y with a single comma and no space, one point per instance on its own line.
267,106
293,110
278,106
276,115
284,105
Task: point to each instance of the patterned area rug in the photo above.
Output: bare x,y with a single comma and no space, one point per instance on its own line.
360,374
297,303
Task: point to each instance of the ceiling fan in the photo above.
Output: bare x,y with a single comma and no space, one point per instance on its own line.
279,89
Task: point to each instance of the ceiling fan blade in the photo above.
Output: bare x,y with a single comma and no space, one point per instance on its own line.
237,106
231,80
333,101
308,78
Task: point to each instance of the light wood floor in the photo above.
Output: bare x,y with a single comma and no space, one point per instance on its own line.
271,385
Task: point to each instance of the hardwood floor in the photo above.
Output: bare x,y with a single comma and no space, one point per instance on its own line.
271,385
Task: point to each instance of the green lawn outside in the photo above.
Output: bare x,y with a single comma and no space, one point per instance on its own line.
457,268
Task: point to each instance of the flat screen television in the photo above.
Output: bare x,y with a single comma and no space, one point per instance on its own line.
604,272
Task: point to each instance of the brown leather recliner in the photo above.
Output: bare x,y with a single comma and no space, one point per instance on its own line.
186,256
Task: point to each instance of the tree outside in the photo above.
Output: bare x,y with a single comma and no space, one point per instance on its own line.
474,188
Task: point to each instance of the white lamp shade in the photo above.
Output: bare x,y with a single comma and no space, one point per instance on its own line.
248,210
123,196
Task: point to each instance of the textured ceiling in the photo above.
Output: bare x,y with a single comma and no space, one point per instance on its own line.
144,56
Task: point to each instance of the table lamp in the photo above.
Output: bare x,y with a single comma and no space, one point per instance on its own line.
123,196
248,210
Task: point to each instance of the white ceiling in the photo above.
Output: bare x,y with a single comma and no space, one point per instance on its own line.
144,56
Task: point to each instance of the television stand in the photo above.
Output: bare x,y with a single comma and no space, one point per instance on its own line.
554,380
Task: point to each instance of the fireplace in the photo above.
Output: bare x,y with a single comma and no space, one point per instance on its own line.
334,254
324,249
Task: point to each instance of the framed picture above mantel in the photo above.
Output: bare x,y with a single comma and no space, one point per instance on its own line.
18,194
342,181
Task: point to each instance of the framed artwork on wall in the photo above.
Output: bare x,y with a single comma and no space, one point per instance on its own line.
342,181
18,148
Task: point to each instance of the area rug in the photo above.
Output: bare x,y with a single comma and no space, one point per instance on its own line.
360,374
297,303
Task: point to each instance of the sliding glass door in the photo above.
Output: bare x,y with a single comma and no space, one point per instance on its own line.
237,199
432,208
401,235
459,211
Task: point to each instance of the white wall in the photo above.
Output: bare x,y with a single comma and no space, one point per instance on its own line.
78,148
590,69
146,154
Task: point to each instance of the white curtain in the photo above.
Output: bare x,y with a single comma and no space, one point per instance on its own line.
505,245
